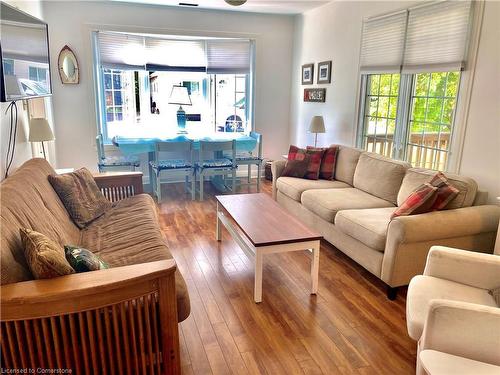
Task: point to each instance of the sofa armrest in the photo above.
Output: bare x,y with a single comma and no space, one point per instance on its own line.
463,329
127,313
119,185
465,267
277,168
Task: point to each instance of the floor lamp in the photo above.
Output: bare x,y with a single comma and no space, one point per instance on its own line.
40,131
317,126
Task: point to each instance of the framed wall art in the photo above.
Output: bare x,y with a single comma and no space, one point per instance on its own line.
325,72
315,95
308,74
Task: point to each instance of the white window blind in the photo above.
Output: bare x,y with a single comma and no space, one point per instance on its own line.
437,37
175,54
121,51
226,56
383,43
427,38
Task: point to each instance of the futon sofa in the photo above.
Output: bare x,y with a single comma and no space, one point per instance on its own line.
353,213
107,321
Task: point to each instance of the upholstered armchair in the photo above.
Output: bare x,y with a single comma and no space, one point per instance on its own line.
451,313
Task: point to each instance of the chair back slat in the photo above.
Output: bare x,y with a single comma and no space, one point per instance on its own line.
258,138
177,146
213,146
100,146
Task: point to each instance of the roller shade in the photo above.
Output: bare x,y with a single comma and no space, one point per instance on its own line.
226,56
175,54
437,37
121,51
383,43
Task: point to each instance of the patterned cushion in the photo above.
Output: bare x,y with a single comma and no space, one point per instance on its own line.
327,169
303,163
119,161
170,164
215,163
244,156
45,258
445,193
80,195
419,202
83,260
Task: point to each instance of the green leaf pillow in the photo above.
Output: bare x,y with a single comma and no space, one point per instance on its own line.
83,260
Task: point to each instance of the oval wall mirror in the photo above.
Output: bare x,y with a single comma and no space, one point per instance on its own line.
68,66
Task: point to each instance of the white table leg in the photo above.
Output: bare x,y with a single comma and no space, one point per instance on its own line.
218,225
315,268
258,276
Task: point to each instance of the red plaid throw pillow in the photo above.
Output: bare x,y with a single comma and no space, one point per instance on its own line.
445,193
327,169
420,201
303,163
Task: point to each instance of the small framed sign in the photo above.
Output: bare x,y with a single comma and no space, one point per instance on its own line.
315,95
325,72
308,74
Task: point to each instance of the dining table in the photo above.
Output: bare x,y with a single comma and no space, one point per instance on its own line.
142,145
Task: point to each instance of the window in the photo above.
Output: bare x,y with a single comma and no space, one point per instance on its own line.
8,67
38,75
136,75
411,63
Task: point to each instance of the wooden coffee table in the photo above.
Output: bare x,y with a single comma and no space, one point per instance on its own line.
261,226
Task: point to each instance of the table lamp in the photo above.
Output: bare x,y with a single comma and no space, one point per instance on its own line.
40,131
317,126
180,96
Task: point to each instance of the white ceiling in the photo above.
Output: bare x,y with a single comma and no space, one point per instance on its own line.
260,6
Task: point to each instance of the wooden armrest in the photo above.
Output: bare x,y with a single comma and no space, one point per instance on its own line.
81,291
119,185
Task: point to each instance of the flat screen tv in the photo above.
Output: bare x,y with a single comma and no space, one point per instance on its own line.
24,48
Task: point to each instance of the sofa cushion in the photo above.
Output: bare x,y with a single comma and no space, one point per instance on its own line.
129,233
347,160
417,176
368,226
28,201
293,187
327,202
422,289
380,176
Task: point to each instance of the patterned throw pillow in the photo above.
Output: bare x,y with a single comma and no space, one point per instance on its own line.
80,195
327,169
446,192
303,163
45,258
83,260
419,202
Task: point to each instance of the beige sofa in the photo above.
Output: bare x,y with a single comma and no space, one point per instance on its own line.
353,214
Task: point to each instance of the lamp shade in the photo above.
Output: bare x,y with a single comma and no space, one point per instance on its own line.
317,125
40,130
179,95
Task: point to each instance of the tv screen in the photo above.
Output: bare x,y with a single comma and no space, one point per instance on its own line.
24,47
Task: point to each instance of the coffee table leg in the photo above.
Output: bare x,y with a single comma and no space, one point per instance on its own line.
218,225
315,268
258,276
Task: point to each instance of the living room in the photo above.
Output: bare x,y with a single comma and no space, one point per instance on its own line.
290,249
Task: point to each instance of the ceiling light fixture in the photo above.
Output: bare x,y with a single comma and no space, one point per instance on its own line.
235,2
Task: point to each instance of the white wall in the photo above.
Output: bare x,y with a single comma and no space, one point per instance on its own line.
74,109
23,147
333,32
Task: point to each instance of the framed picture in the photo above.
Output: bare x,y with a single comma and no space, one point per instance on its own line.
308,74
315,95
325,72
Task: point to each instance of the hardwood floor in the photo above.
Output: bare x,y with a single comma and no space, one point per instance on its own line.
350,327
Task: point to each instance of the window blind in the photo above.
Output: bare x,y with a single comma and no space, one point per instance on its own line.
121,51
437,37
427,38
175,54
225,56
382,44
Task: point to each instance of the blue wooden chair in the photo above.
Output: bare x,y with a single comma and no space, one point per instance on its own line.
119,161
252,158
177,167
220,165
